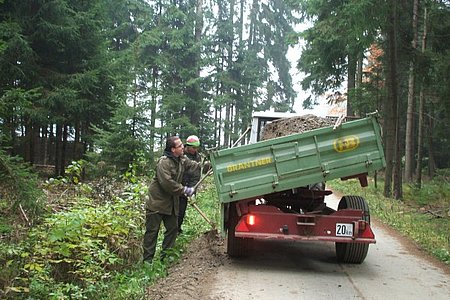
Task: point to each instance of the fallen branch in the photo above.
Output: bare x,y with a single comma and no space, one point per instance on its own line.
435,214
24,215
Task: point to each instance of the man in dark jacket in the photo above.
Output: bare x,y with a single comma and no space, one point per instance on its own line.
164,192
191,176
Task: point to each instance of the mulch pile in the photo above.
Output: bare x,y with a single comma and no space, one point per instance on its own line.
293,125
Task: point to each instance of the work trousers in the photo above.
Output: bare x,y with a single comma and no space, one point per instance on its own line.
152,225
182,212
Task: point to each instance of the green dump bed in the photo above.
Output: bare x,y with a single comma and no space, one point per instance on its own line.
298,160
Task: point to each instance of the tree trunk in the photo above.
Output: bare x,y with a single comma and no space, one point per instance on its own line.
217,128
64,150
390,129
397,171
194,106
45,141
199,24
36,155
398,187
153,105
58,148
431,162
241,113
10,129
420,140
227,129
352,62
409,135
27,139
229,66
409,141
134,95
359,79
421,111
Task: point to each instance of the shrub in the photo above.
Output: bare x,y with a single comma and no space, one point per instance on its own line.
19,187
74,249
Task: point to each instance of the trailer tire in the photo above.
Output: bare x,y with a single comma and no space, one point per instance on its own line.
353,253
236,247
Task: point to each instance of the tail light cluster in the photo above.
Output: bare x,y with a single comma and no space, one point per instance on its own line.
364,230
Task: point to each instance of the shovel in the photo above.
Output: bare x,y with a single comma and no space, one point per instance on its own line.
196,206
201,213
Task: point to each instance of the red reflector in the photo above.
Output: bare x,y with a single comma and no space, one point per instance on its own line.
242,226
250,219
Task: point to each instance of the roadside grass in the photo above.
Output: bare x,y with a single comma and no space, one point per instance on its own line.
423,215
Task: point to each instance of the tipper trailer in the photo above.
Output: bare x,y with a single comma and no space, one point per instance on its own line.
274,189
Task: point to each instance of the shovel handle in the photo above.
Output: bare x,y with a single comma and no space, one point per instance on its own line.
202,213
203,178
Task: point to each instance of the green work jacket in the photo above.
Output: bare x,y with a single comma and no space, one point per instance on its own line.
165,188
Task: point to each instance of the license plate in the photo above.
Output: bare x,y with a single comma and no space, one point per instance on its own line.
344,229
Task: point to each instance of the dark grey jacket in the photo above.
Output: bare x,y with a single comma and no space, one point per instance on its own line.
191,176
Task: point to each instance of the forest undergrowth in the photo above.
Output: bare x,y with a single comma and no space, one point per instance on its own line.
87,242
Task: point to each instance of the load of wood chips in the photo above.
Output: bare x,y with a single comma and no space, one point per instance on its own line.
300,124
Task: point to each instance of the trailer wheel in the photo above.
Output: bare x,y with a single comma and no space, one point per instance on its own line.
236,247
353,253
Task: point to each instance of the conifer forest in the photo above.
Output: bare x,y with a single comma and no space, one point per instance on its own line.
91,89
114,78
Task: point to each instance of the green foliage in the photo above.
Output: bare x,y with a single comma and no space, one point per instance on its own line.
19,187
434,192
75,170
92,250
20,101
427,228
21,203
124,141
74,249
10,263
96,167
340,31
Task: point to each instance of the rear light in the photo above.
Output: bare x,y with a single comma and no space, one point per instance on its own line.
251,220
362,226
365,231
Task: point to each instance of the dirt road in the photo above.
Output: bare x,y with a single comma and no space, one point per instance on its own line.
393,269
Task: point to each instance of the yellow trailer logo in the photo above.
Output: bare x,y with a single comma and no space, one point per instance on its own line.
346,143
249,164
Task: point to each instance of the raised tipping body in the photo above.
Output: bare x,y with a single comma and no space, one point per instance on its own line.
275,189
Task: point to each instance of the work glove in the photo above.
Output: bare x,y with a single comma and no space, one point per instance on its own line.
188,191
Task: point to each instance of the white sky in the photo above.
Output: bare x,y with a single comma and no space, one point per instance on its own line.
293,56
320,110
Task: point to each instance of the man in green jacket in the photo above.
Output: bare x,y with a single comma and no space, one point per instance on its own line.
164,192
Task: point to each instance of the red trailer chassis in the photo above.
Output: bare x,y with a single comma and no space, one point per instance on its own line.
269,222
